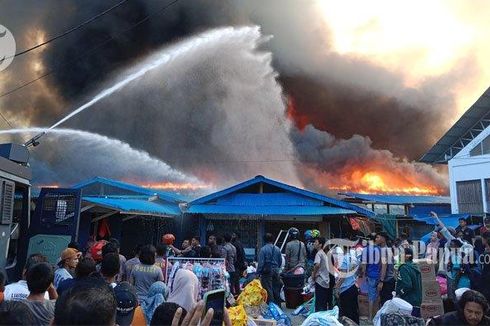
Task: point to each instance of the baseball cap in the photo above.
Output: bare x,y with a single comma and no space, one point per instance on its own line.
69,253
127,301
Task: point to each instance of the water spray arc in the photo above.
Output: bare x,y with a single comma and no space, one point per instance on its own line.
164,56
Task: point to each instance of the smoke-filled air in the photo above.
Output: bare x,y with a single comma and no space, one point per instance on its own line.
205,94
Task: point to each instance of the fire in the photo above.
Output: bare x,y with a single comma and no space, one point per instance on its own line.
54,185
384,182
300,120
175,186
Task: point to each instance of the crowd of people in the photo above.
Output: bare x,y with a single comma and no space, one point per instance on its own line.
384,269
101,287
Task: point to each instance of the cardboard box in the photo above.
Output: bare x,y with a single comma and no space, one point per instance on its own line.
265,322
430,291
431,309
427,269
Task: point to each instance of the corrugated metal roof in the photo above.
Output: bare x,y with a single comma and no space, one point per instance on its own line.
139,206
400,199
168,196
455,137
308,196
268,210
268,199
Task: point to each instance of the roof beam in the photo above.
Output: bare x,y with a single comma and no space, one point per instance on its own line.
98,218
130,217
86,208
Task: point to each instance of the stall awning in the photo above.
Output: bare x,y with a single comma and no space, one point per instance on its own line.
268,210
136,206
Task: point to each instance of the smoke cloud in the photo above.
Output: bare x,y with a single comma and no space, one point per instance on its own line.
220,114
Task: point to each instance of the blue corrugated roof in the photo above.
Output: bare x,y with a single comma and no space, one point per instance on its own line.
135,205
309,196
268,199
400,199
268,210
165,195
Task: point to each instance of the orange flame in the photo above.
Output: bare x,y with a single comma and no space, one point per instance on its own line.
175,186
300,120
382,182
54,185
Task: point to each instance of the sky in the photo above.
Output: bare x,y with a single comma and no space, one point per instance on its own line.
323,94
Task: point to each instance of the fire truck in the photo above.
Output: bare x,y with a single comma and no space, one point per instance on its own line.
46,225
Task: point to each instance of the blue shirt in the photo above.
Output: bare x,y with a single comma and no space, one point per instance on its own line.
269,255
371,256
60,275
347,265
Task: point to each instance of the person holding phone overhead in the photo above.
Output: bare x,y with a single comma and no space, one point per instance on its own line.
270,260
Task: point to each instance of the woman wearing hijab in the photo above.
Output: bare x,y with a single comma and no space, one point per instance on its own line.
184,289
156,296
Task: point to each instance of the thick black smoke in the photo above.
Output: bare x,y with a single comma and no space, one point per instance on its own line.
339,94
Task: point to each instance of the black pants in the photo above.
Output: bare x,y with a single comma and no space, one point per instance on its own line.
386,292
348,304
323,298
235,283
272,283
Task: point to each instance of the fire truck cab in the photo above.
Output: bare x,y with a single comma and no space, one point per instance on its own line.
15,201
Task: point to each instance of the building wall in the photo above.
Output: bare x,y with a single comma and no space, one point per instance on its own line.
464,167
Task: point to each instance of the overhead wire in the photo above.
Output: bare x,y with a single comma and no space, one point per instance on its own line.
71,30
89,51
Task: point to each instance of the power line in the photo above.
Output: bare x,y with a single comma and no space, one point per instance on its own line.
71,30
89,51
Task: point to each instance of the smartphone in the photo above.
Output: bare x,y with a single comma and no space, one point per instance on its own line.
216,300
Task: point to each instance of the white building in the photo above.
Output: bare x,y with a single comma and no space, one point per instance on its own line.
466,149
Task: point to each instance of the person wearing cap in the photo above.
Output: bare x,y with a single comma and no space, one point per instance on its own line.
127,301
85,267
295,251
67,265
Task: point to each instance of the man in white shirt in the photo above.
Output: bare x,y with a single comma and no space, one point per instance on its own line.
19,291
321,277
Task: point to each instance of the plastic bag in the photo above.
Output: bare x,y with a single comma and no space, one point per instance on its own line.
253,294
238,316
395,305
276,313
323,318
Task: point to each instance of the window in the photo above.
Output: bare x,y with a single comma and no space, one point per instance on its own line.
381,208
470,199
485,145
397,209
482,148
